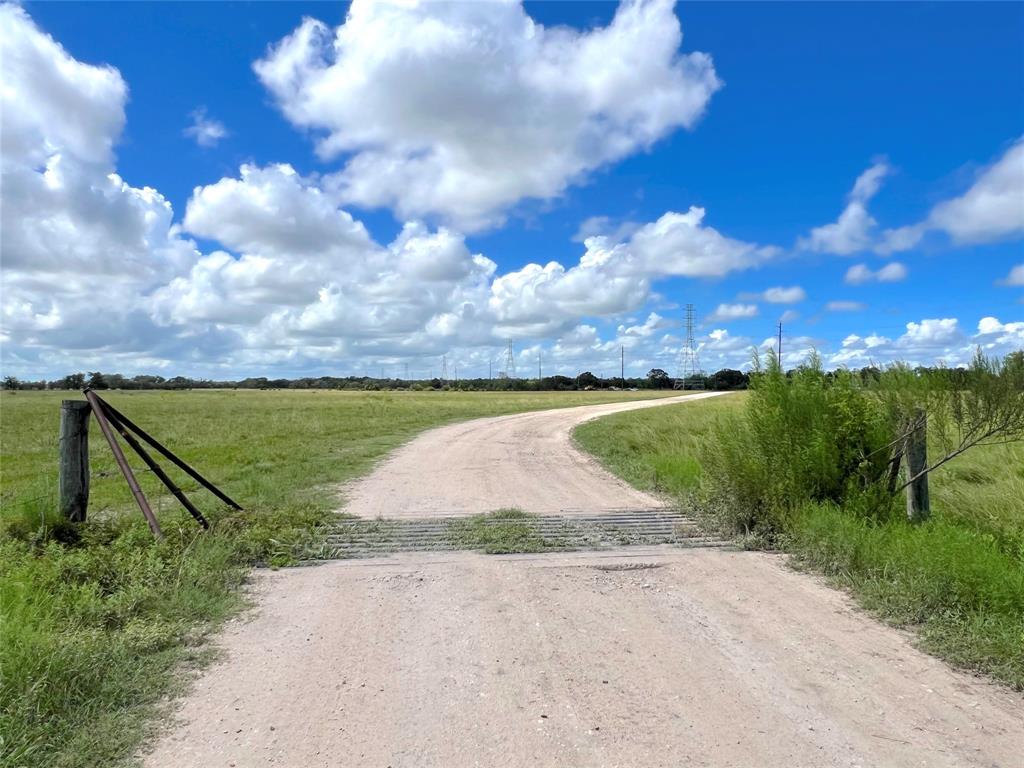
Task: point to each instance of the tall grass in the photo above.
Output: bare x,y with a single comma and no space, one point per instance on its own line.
93,632
955,585
659,450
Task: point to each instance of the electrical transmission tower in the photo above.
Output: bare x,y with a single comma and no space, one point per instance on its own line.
510,364
690,375
444,367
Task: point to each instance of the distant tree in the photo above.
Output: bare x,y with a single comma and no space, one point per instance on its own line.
97,380
728,378
587,379
147,382
658,379
560,382
72,381
11,382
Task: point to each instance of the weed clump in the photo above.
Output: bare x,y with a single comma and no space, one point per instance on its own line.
504,531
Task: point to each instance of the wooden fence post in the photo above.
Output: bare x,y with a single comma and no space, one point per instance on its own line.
73,483
918,504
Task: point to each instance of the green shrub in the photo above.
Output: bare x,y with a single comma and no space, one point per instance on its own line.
806,436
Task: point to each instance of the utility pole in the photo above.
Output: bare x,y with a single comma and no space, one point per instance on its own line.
622,365
490,374
780,346
540,372
406,371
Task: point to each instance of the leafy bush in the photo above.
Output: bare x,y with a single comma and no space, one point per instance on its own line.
806,436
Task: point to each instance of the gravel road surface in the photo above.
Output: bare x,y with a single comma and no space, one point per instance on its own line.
526,460
713,658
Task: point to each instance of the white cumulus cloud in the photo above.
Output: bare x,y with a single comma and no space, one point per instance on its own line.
853,231
461,110
76,236
993,208
295,282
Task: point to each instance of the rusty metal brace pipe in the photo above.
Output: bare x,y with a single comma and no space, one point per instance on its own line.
125,421
151,463
122,463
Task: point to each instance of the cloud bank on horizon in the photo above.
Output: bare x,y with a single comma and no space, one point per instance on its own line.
451,117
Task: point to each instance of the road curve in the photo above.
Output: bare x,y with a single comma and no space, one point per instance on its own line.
525,460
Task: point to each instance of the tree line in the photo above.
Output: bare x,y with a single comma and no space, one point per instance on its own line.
656,378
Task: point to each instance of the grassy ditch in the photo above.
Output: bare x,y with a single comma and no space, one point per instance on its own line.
957,579
99,624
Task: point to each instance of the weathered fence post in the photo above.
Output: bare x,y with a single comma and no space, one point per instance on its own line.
73,482
918,505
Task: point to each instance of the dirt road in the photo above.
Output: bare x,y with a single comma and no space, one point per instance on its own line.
526,461
714,658
709,658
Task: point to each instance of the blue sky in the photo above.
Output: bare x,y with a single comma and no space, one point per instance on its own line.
768,136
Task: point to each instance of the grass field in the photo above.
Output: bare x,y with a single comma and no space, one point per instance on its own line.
958,580
99,624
